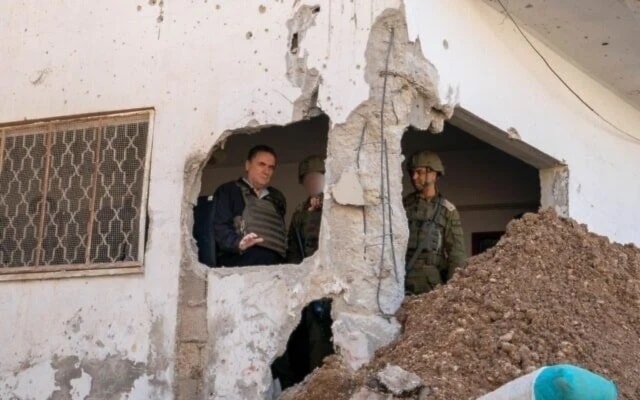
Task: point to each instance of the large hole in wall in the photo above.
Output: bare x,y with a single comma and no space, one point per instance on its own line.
488,186
310,342
292,143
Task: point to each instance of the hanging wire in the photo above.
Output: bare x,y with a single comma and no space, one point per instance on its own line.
364,130
393,246
385,187
364,209
384,83
384,178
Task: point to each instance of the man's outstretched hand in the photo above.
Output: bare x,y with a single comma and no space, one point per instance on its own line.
249,240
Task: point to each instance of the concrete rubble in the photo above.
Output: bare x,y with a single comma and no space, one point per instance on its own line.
397,380
542,296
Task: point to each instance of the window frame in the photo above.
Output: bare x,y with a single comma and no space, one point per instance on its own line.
88,269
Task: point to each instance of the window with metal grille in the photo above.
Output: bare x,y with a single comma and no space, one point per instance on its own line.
73,193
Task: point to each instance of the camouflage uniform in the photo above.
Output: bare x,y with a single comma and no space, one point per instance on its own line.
440,249
304,232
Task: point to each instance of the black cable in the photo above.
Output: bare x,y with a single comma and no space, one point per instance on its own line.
391,235
364,209
382,172
364,129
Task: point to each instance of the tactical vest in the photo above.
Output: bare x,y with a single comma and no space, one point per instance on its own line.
310,229
261,217
420,213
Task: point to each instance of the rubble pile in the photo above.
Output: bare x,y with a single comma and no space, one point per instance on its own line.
549,292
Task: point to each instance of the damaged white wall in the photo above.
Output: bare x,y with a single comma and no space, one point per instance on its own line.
262,305
208,67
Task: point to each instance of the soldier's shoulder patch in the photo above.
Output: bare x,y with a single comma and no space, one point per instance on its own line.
448,205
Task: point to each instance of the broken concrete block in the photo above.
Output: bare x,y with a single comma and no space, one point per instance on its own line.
397,380
348,190
359,336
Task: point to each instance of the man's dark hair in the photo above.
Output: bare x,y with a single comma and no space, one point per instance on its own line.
261,148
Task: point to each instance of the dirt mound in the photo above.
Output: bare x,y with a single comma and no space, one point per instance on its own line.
333,381
550,292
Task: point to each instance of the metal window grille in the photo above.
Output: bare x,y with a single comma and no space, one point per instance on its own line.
73,192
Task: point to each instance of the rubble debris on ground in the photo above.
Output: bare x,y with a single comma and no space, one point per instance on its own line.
331,382
549,292
398,381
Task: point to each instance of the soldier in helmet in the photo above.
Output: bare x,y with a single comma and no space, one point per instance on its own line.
310,342
436,244
304,229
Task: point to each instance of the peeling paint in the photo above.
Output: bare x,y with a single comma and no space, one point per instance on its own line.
298,73
158,357
111,377
67,369
70,377
81,387
554,184
36,382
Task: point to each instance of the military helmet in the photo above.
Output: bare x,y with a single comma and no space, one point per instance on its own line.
310,164
426,159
